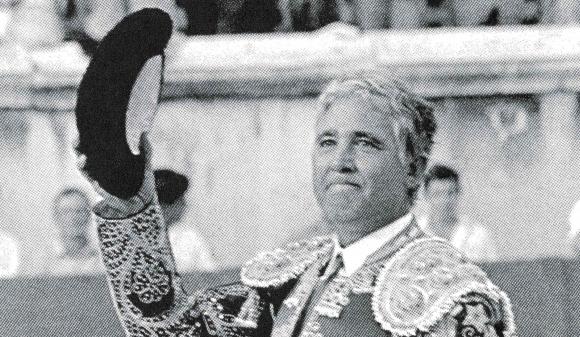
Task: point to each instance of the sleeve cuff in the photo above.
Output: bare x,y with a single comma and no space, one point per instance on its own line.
104,212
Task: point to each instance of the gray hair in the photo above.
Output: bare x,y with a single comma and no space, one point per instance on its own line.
413,121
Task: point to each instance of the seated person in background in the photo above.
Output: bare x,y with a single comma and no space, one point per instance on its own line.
574,234
202,16
208,17
442,193
9,255
309,15
189,248
76,255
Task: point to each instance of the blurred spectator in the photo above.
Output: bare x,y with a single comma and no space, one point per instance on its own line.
207,17
497,12
9,255
76,254
257,16
308,15
202,16
574,234
442,193
438,13
188,246
511,120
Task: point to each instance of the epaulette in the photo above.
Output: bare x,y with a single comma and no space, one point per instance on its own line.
424,281
276,268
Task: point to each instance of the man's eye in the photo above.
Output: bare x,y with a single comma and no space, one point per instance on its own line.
327,142
366,143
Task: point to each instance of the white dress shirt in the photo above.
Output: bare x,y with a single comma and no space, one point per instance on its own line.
9,256
574,220
190,250
355,254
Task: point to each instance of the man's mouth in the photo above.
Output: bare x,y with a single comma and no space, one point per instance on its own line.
343,185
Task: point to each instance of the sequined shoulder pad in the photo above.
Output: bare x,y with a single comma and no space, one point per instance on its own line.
424,281
276,268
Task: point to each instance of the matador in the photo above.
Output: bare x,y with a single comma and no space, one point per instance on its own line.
378,274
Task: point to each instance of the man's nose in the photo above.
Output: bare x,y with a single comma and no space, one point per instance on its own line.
343,160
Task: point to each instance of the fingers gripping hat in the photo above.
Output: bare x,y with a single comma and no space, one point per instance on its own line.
117,100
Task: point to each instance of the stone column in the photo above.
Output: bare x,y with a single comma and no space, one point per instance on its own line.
557,110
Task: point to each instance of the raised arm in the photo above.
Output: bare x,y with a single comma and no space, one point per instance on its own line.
117,100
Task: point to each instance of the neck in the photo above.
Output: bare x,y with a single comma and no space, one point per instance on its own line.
350,231
443,226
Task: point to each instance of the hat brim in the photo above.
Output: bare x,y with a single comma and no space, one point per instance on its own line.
104,95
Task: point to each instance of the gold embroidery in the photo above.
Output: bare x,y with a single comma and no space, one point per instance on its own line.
424,281
275,268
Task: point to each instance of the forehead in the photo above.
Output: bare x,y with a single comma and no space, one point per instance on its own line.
442,185
354,113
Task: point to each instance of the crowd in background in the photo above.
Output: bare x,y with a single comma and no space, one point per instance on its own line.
41,22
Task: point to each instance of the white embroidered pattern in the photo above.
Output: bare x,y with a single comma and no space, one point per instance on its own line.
275,268
149,297
424,281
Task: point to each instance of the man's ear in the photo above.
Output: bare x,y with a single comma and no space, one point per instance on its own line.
412,165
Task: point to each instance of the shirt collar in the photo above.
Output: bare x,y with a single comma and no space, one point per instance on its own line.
355,255
574,220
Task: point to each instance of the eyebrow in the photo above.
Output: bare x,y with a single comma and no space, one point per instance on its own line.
361,134
326,134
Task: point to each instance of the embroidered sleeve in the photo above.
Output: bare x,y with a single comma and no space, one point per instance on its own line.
147,290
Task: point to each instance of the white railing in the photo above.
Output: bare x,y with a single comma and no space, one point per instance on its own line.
436,62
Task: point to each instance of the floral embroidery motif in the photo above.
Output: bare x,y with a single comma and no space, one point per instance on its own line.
275,268
113,244
424,281
152,281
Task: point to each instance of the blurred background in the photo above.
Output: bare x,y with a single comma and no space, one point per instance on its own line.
234,129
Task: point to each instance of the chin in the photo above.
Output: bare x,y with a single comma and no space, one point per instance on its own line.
340,213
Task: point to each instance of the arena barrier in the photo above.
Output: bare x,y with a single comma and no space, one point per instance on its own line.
544,294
